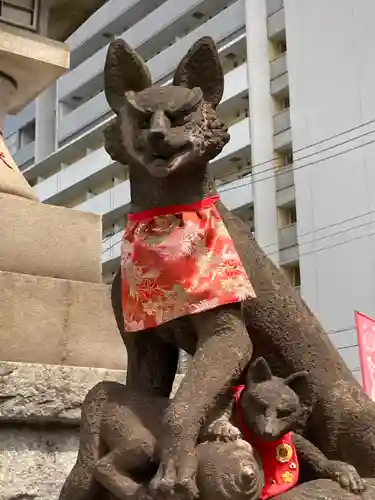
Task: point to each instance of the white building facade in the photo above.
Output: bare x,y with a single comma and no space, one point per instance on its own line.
300,107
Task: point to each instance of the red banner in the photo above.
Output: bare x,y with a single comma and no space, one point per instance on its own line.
366,343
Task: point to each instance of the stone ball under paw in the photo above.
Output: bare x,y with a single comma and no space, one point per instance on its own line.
228,471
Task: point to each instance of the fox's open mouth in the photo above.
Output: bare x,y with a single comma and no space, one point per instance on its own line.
163,166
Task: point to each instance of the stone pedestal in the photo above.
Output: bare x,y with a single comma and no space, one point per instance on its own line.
39,425
54,321
54,310
49,241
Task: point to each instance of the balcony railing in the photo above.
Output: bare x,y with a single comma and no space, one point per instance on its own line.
279,76
86,168
281,121
160,66
274,5
276,25
25,155
93,167
284,177
288,236
143,32
112,17
278,66
167,16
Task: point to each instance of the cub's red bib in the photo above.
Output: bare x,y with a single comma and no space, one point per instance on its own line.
279,458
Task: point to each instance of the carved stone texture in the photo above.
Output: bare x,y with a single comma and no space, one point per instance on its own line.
324,489
129,425
282,328
119,449
42,394
39,419
34,462
38,394
39,425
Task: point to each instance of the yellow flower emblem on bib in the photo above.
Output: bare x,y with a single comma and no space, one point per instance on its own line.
284,453
287,477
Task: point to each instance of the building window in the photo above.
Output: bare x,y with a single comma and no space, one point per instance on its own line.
284,103
286,159
27,134
293,273
281,104
280,47
287,216
23,13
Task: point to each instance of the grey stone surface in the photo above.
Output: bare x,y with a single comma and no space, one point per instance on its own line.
39,425
34,463
32,393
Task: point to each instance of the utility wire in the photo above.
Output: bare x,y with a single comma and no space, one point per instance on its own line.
338,233
322,141
309,232
303,157
295,167
335,244
305,165
315,240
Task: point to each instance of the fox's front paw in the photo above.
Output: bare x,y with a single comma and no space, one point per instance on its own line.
346,475
223,430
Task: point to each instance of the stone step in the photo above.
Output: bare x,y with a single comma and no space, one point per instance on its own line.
53,321
45,240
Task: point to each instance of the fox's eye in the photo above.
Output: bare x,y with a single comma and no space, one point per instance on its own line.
144,121
257,405
283,412
179,120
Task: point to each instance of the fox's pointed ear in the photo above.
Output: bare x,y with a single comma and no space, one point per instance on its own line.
124,70
201,67
259,371
300,384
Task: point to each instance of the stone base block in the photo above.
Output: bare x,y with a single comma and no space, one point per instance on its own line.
39,418
49,241
34,463
39,425
38,394
45,320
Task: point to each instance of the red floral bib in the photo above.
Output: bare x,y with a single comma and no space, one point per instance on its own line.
177,261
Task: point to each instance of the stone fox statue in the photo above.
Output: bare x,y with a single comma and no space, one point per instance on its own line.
267,412
167,135
177,259
119,452
120,429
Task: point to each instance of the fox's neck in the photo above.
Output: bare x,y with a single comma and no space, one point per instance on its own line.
148,192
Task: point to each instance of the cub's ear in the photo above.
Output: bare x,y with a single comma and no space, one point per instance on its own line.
299,383
258,372
201,67
124,70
